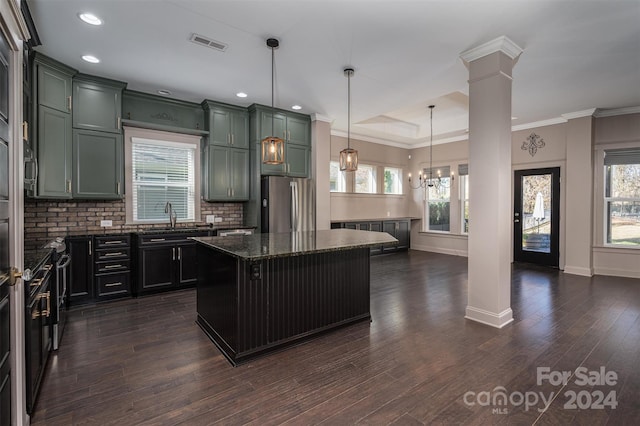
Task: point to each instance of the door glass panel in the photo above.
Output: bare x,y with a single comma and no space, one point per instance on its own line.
536,213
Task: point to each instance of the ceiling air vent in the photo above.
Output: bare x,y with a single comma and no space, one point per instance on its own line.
206,41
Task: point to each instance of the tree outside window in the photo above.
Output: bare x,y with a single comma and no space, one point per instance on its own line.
622,202
392,180
365,178
337,181
438,201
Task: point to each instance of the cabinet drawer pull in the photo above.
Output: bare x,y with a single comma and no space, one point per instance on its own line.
173,253
156,240
179,253
68,189
119,253
113,242
233,141
113,284
90,248
36,282
69,102
118,188
118,123
112,266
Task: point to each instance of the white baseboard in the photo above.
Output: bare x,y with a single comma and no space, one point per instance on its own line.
440,250
577,270
617,272
497,320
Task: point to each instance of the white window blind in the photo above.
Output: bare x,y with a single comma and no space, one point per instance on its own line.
162,171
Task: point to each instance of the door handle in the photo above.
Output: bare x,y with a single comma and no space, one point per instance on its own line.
516,220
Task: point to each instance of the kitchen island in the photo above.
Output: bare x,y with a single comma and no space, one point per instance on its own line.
258,293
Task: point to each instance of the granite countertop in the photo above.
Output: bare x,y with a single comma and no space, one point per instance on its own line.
191,229
376,219
264,246
34,258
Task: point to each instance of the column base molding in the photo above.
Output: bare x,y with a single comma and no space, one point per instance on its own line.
577,270
497,320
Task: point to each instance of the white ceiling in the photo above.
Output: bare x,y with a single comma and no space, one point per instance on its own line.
578,54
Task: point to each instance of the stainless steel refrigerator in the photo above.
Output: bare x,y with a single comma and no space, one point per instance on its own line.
288,204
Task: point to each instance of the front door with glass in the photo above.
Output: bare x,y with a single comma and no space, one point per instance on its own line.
536,216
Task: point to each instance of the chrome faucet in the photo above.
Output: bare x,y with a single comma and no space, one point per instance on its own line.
172,214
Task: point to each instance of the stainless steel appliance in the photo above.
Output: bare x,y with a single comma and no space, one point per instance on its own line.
288,204
59,289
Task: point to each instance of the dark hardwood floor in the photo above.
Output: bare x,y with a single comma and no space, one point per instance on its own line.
145,361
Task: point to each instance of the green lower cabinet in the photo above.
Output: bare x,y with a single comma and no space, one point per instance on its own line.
97,165
54,168
228,174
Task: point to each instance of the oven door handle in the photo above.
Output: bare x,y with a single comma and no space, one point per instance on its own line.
63,261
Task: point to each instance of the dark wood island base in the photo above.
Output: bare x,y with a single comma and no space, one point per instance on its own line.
252,305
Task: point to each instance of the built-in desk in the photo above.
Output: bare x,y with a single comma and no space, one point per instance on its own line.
257,293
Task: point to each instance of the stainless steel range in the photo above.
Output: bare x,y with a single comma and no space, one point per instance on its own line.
59,289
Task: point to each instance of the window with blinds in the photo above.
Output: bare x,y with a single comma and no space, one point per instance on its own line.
622,197
162,170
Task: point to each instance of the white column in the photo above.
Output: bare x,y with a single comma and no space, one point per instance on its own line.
320,158
490,189
579,204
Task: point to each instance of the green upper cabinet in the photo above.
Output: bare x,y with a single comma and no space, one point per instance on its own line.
52,106
161,113
227,174
294,128
54,169
98,170
54,84
228,125
97,104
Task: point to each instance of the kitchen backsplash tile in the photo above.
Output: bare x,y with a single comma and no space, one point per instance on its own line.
46,219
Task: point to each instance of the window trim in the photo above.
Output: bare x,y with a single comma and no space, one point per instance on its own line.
171,138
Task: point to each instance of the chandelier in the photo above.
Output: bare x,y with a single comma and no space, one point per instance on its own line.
428,180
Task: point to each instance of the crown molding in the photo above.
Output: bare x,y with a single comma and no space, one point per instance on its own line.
579,114
501,44
549,122
617,111
319,117
371,139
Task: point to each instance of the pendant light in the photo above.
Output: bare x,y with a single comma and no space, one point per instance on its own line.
349,156
272,146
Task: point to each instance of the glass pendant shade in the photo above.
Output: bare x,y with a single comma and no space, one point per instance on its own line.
272,146
272,150
349,160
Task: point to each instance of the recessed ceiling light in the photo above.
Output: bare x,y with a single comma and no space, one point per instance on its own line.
241,95
164,92
91,59
296,107
90,18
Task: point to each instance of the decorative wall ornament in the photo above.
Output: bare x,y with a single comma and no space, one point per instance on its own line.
532,144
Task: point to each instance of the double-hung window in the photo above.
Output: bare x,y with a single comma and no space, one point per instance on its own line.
438,199
161,170
463,174
365,178
392,180
622,196
337,180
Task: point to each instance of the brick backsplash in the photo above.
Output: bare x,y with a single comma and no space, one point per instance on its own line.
46,219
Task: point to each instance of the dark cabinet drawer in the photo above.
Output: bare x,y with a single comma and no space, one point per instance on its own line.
169,238
114,254
112,266
104,242
113,284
